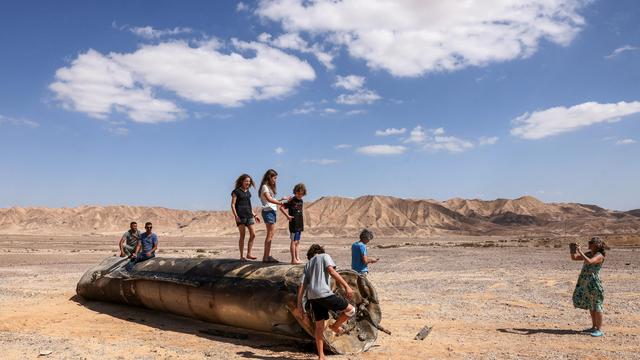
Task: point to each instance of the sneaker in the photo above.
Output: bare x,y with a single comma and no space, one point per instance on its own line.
597,333
589,330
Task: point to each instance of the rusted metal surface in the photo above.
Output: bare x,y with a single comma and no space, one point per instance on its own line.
248,295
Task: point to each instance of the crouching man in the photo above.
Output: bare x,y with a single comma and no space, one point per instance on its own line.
129,241
315,283
146,248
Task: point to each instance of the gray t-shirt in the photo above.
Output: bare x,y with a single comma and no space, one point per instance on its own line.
317,278
131,238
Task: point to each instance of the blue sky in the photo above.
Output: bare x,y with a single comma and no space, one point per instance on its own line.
165,103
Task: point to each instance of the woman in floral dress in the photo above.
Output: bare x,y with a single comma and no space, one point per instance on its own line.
589,294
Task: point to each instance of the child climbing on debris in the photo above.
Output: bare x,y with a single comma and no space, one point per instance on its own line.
315,283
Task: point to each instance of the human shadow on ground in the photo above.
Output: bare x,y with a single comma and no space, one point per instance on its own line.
175,323
541,331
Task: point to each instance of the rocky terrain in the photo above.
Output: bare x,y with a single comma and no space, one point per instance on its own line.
337,216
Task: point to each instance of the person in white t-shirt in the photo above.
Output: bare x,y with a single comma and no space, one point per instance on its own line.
270,205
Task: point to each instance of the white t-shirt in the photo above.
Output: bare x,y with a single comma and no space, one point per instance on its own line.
266,205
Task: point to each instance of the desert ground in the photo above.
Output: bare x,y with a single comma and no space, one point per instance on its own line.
485,297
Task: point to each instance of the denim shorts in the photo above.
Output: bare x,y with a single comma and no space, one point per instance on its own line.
246,221
295,236
269,216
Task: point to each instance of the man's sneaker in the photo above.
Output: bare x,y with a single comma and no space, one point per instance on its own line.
597,333
589,330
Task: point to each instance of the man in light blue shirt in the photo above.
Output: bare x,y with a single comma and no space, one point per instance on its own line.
146,248
359,258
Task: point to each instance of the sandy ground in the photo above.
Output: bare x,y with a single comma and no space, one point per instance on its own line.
485,298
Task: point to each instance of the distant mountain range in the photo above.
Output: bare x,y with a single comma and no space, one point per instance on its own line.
337,216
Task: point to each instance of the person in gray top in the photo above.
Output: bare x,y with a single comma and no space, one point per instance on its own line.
315,282
129,240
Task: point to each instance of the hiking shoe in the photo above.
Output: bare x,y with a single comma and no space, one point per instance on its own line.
597,333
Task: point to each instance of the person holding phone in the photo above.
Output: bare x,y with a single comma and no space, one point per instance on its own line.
589,293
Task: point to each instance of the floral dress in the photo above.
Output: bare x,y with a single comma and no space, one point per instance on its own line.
589,294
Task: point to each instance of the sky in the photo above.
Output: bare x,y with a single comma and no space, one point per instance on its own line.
166,103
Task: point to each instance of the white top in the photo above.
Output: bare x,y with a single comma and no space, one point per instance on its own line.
266,205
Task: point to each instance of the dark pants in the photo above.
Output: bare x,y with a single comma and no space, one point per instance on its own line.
138,259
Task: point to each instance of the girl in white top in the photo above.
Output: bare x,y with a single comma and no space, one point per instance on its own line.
267,194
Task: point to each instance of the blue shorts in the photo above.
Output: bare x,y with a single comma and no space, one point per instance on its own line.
269,216
295,236
247,221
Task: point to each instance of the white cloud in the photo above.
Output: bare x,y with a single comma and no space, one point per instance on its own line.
355,112
342,146
18,121
119,131
322,161
330,111
349,82
293,41
620,50
149,32
558,120
413,37
625,142
390,131
483,140
358,98
242,7
381,149
417,135
98,84
279,150
448,143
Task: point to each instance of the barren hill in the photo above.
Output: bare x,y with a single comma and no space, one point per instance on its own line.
336,216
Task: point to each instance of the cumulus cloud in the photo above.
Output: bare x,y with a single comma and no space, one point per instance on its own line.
620,50
18,121
448,143
381,149
279,150
558,120
411,38
349,82
390,131
358,98
150,33
322,161
293,41
484,140
242,7
417,135
98,84
625,142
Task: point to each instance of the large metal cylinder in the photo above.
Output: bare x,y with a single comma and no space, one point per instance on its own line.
249,295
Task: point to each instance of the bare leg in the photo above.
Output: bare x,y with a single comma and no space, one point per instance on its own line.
252,236
319,342
341,320
296,259
597,320
241,229
267,242
292,249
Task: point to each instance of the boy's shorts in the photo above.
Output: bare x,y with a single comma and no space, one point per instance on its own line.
320,307
295,236
269,216
246,221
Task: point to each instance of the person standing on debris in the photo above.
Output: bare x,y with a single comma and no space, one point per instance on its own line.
359,259
315,283
296,220
589,293
243,213
146,248
270,205
129,240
